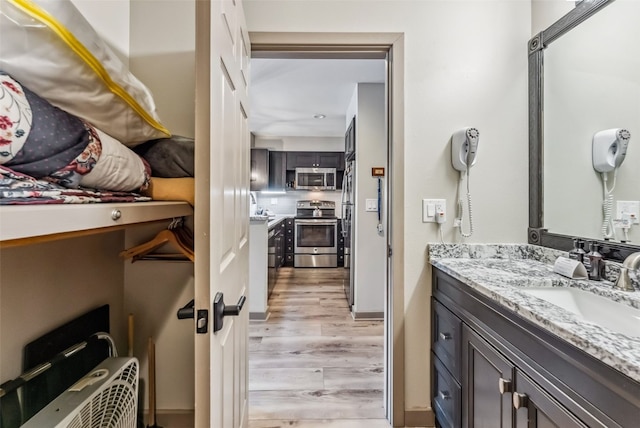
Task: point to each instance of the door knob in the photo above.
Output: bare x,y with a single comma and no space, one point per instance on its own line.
220,310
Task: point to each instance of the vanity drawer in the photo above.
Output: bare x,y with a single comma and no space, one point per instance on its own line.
446,338
445,396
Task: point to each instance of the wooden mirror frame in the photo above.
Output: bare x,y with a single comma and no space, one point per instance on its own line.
537,234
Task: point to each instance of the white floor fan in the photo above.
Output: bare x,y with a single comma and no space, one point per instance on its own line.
107,397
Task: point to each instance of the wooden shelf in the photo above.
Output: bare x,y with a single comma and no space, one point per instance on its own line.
29,224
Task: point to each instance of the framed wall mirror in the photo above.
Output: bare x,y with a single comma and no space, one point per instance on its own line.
584,78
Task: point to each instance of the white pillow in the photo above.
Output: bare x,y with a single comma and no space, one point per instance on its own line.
118,168
50,47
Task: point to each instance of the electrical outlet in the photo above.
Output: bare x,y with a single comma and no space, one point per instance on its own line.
431,208
631,208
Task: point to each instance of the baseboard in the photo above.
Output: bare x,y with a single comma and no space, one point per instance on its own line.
173,418
368,315
258,316
419,418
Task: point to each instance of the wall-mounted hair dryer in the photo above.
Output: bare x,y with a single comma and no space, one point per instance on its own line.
464,147
610,149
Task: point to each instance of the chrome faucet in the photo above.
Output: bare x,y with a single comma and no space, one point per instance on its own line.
624,281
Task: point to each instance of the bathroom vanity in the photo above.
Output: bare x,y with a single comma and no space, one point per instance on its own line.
504,357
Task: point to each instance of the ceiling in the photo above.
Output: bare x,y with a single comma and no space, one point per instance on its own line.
287,93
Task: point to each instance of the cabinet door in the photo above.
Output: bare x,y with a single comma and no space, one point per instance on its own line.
487,379
331,160
277,170
259,169
301,160
535,408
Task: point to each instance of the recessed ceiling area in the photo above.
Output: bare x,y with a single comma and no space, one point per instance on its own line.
288,95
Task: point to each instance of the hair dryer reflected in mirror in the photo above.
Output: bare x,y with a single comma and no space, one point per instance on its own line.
609,148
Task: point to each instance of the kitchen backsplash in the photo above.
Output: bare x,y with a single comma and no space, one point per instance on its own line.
286,204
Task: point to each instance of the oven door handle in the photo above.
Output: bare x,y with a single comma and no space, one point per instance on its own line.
317,222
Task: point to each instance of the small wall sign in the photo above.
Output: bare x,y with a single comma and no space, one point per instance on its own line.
377,171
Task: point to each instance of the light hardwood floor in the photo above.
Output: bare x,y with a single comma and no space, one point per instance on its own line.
310,364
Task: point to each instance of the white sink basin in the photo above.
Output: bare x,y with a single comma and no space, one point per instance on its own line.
591,307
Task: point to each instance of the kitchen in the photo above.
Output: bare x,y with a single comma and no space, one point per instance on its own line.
305,183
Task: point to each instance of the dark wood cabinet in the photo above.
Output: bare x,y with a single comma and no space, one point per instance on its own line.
259,179
510,373
288,239
535,408
315,159
277,170
489,379
340,245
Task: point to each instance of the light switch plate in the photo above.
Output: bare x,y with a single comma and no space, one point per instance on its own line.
430,208
371,205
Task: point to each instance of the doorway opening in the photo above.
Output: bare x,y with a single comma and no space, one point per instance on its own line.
383,51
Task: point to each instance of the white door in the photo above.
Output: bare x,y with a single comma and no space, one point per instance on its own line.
221,212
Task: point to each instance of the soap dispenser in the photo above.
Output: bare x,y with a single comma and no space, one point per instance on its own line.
595,266
578,252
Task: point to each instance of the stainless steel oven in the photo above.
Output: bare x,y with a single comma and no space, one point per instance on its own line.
316,243
316,234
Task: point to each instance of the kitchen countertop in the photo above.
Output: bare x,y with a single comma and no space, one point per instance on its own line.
271,220
501,271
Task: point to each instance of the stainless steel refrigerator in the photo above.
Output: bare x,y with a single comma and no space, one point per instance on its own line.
348,226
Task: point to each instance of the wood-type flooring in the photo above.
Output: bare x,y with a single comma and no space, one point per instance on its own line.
310,364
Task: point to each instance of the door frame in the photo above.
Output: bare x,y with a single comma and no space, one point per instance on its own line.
391,47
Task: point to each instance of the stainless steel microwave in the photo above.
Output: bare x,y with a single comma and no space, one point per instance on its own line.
315,179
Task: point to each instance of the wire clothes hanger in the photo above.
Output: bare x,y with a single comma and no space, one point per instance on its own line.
176,234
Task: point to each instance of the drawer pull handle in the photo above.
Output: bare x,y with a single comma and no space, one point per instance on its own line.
445,336
520,400
116,214
444,395
504,385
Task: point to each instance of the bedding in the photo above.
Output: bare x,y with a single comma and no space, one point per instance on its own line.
21,189
169,157
46,143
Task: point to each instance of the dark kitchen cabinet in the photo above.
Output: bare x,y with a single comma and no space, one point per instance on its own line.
259,179
289,242
315,159
340,245
492,368
277,170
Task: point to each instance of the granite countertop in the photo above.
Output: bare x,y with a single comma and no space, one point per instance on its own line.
502,271
271,220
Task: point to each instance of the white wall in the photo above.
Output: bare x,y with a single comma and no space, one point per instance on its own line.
43,286
111,20
370,255
465,65
163,57
546,12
